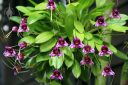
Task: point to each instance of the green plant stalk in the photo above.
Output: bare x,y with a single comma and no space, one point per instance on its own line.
32,2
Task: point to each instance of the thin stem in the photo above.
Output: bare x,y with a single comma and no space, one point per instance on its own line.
32,2
51,14
69,1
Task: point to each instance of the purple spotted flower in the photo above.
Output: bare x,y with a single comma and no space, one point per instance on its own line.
107,71
22,45
23,25
115,14
105,51
100,22
9,52
61,43
86,61
20,56
56,75
76,43
51,5
56,52
88,49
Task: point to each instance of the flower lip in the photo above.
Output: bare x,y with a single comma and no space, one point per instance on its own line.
76,43
100,22
87,48
115,14
22,45
61,42
86,61
107,71
9,51
56,52
56,75
51,5
104,49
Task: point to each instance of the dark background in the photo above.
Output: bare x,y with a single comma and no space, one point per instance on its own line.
6,74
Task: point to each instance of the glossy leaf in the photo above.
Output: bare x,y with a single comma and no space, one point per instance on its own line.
42,57
48,45
121,55
23,9
28,39
118,28
43,37
41,6
78,25
88,35
76,69
15,19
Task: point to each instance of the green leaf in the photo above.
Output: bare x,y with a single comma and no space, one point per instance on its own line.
76,70
100,3
112,48
57,62
42,57
78,25
15,19
118,28
121,55
35,17
69,57
119,21
88,35
124,74
31,62
28,39
78,35
41,6
48,45
43,37
23,9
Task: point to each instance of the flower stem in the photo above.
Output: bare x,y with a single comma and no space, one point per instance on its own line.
69,1
51,15
32,2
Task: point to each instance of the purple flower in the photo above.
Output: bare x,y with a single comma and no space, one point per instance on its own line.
105,51
15,29
88,49
22,45
115,14
51,5
23,25
56,75
20,56
100,22
76,43
107,71
86,61
9,51
61,43
56,52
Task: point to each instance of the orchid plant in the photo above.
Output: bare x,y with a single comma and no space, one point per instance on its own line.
61,41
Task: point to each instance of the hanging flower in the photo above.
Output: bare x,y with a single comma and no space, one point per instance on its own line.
105,51
14,29
9,51
56,52
86,61
107,71
61,43
56,75
22,45
115,14
88,49
20,56
100,22
76,43
17,69
23,25
51,5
